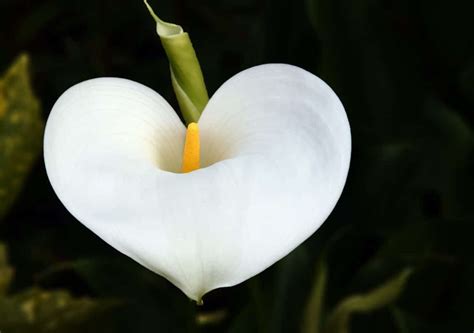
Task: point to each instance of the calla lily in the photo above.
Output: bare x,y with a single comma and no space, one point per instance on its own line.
267,163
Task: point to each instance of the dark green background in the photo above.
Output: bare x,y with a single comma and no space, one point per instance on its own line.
404,71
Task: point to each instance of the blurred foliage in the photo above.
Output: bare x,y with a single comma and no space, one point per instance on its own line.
6,272
404,71
21,130
37,310
312,322
338,320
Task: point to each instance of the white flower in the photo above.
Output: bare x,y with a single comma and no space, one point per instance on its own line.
275,151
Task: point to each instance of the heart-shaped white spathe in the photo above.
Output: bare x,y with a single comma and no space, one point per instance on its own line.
275,152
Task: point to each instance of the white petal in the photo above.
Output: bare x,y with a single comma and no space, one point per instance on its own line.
276,148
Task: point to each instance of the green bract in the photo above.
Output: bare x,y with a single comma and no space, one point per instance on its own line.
186,75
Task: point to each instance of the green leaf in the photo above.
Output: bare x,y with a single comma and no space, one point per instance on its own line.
21,130
144,293
36,310
186,75
339,319
314,308
6,272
